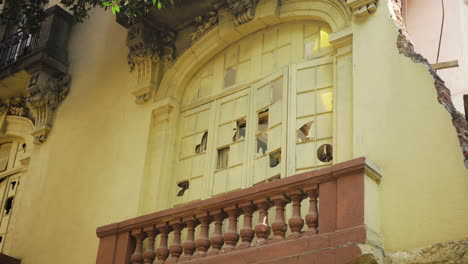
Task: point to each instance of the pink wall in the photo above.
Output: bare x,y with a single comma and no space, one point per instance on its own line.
423,21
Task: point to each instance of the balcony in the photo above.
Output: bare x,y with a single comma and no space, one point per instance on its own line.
22,53
16,46
341,216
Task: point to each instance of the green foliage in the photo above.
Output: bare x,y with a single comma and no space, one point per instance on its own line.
29,14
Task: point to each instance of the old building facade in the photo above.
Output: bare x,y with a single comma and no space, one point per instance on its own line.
245,131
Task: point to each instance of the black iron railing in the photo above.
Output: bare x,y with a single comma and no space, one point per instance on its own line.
17,46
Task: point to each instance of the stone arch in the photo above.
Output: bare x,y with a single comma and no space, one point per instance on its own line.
333,12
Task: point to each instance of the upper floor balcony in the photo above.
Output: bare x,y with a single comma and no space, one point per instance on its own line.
338,205
21,53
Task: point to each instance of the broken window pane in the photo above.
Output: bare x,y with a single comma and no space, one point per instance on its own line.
223,158
240,130
325,153
8,205
184,185
263,120
202,146
275,158
262,143
303,134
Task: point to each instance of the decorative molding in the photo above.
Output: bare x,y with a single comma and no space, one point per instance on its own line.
341,38
149,49
45,93
242,10
163,109
203,23
362,7
146,43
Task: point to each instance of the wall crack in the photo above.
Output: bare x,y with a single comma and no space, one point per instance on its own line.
443,93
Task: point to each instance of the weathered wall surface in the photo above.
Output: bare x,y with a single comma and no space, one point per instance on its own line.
87,173
399,124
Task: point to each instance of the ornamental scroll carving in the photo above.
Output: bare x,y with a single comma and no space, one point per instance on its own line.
203,23
242,10
362,7
15,106
149,50
146,43
43,95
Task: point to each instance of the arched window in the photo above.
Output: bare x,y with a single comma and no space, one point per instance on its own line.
253,114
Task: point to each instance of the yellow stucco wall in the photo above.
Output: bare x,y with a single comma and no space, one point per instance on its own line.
399,124
89,171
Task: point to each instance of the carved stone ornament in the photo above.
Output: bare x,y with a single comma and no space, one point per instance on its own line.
15,106
243,10
203,23
149,50
146,43
362,7
45,93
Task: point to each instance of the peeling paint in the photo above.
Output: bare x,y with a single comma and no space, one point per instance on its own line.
443,93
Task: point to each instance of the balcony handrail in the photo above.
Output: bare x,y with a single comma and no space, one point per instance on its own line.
16,46
336,217
255,192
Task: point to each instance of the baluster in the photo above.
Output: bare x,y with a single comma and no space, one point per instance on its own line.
231,237
175,249
137,256
217,239
296,223
312,215
262,230
203,243
150,254
279,227
247,233
189,244
162,252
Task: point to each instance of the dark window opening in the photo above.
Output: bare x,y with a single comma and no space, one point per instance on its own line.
240,130
325,153
184,185
8,205
202,146
223,158
13,184
275,158
1,239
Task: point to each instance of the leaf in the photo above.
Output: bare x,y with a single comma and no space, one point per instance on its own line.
117,8
159,5
106,4
113,10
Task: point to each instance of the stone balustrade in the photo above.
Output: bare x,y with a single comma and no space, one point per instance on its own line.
335,217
